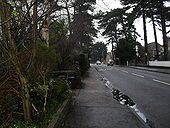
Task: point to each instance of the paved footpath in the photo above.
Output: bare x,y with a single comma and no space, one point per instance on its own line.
95,108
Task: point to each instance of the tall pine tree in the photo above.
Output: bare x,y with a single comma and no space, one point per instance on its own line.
82,26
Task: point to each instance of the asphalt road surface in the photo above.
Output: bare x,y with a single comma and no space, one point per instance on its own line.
149,90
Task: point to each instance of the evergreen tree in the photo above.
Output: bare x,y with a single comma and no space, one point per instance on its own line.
125,50
82,26
144,7
118,26
98,52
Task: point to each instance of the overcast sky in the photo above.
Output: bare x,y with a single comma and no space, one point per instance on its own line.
106,5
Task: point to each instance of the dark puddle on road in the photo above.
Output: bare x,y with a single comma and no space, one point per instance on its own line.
126,100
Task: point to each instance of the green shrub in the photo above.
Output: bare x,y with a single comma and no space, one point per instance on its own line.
55,90
56,94
46,60
10,110
21,124
83,63
58,87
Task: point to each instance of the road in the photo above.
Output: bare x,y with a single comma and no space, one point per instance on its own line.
149,90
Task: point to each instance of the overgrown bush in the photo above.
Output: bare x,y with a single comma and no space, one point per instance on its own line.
58,87
53,89
83,63
46,60
45,95
10,110
53,94
80,62
21,124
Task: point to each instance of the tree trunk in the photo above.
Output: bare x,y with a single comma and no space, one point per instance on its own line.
145,36
112,51
69,18
165,43
34,29
12,54
155,35
25,96
45,28
116,40
124,27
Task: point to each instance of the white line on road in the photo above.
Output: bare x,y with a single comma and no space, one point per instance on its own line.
137,75
162,82
109,69
124,71
115,68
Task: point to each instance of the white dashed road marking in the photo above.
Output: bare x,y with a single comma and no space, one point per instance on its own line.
138,75
162,82
124,71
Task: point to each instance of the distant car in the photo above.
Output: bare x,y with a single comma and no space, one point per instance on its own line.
110,63
98,62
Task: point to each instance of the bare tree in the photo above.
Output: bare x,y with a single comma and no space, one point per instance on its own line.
20,30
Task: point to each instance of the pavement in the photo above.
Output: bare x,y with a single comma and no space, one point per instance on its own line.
95,108
154,69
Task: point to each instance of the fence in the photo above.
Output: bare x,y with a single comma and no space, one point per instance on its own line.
159,63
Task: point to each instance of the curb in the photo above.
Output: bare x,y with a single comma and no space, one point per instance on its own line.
139,118
61,114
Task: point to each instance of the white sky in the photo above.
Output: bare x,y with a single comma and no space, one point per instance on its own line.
106,5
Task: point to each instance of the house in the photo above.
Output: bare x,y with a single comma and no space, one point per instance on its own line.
152,50
109,57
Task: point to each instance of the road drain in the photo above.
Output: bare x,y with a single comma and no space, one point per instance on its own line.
126,100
